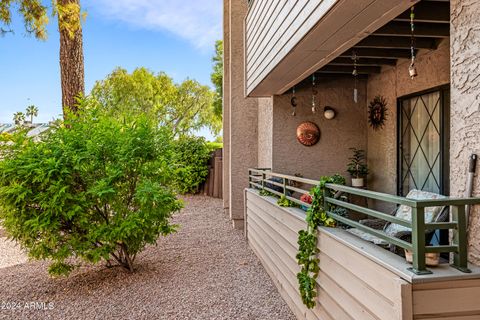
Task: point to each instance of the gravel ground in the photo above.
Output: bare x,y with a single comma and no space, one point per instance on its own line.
205,271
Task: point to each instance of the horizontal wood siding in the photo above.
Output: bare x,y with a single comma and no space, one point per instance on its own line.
274,28
350,285
447,300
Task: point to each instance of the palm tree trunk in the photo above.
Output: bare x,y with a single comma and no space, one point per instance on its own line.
71,63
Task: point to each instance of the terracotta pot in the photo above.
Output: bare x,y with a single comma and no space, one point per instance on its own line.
357,182
431,259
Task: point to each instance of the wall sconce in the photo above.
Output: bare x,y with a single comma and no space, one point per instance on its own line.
329,113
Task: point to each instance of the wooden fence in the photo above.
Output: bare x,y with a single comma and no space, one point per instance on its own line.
213,185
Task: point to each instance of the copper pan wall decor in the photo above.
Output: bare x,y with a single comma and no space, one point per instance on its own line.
308,133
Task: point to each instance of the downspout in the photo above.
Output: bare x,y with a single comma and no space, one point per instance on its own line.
471,173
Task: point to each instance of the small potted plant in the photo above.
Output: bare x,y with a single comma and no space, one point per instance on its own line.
357,167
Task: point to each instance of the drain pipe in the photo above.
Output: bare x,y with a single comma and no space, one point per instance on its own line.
471,173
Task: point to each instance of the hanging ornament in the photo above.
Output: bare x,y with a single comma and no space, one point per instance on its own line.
355,75
412,70
293,102
314,94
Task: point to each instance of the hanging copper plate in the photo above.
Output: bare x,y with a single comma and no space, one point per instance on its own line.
308,133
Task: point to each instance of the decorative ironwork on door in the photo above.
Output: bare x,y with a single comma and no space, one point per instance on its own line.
422,137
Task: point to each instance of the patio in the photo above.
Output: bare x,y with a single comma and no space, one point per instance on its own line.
205,271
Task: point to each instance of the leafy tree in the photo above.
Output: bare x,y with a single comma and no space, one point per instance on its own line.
217,78
190,163
35,16
18,118
184,108
32,111
96,187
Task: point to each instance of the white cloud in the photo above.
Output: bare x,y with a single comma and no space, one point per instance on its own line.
198,21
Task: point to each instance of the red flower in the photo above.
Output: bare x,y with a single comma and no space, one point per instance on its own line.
306,198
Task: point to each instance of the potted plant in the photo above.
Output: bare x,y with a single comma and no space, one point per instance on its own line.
357,167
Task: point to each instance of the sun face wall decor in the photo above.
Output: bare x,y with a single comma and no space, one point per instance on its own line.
377,113
308,133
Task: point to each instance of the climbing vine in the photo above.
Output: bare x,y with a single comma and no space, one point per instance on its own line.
307,240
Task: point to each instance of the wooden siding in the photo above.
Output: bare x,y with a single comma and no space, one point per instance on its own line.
447,300
273,28
350,285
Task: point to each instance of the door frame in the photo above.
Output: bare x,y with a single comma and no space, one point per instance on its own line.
444,136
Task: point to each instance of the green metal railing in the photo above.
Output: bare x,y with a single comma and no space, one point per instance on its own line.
261,179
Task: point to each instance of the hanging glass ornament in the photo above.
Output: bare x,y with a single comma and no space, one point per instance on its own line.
314,94
355,75
293,102
412,70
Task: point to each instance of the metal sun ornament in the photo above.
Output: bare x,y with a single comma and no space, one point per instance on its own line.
412,70
377,113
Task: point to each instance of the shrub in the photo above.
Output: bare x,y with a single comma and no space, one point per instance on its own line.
190,159
94,188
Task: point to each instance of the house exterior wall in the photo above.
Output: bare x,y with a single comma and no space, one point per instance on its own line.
265,132
465,106
226,107
394,82
330,154
241,113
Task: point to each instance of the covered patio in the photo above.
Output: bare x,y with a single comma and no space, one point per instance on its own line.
385,77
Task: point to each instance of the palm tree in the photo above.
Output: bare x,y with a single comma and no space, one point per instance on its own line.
18,118
32,111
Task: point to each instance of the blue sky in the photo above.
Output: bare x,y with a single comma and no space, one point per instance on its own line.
173,36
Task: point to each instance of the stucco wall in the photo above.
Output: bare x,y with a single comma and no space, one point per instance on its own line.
394,82
242,114
265,132
465,106
226,107
331,153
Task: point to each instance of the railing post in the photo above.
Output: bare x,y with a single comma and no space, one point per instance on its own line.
285,186
326,194
460,258
418,241
263,180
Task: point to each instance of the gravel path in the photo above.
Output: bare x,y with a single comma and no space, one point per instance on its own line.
205,271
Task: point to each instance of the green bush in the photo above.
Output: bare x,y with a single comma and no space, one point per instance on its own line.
95,188
190,159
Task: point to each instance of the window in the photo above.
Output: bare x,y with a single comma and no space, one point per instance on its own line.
423,138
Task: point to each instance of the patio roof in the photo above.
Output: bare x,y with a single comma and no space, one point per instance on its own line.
378,32
392,41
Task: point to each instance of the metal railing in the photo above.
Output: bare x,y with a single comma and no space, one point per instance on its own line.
262,179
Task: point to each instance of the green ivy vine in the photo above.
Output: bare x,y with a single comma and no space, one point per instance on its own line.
307,240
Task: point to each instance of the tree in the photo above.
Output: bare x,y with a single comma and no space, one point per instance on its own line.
185,108
217,78
71,53
18,118
69,14
96,188
32,111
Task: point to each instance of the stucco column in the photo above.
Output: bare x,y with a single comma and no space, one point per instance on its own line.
465,106
226,106
242,114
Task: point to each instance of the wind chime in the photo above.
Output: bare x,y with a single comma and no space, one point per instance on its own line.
314,94
293,102
412,70
355,76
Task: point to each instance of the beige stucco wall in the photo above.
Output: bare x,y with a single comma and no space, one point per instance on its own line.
331,154
241,114
226,107
394,82
265,132
465,106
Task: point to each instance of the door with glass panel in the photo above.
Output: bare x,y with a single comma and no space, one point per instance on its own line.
423,141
